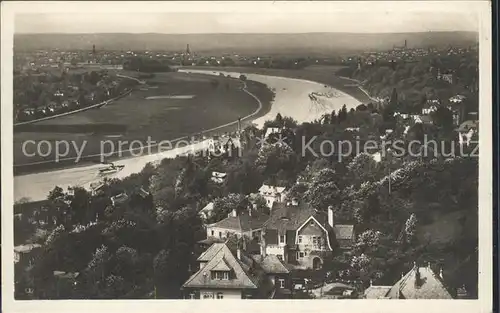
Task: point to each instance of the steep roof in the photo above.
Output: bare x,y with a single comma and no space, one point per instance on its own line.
208,208
271,264
291,217
288,217
210,252
242,222
240,278
429,287
344,232
221,266
376,292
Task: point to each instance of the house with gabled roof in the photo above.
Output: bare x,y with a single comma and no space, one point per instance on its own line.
272,194
418,283
302,236
228,271
222,275
246,223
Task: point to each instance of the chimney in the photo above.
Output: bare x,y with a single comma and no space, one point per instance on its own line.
234,213
441,273
250,209
428,265
295,201
263,244
238,254
371,282
330,216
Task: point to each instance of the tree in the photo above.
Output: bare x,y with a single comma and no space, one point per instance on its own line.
342,116
279,120
323,191
443,117
273,158
333,117
393,102
367,241
223,206
362,107
56,194
362,168
410,227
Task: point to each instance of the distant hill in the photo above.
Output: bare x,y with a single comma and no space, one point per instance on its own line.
311,43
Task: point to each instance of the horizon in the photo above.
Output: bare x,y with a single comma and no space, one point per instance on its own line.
241,33
281,22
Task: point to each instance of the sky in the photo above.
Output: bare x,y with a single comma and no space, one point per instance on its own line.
237,22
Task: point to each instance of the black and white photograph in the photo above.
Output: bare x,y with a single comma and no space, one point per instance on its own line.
247,150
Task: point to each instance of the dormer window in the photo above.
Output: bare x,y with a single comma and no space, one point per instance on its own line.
220,275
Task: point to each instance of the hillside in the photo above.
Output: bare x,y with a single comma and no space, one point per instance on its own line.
312,43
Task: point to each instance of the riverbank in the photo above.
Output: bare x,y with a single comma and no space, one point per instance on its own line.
257,101
320,74
291,99
94,106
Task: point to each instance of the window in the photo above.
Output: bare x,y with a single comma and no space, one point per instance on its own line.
282,238
213,232
301,254
311,223
300,239
220,275
282,283
208,295
280,257
316,242
220,234
191,296
220,295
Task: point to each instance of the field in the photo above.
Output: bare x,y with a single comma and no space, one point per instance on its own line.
324,74
215,101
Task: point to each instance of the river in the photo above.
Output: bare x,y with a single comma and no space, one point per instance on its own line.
292,98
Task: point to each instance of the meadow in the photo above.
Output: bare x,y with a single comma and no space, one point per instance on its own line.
216,101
